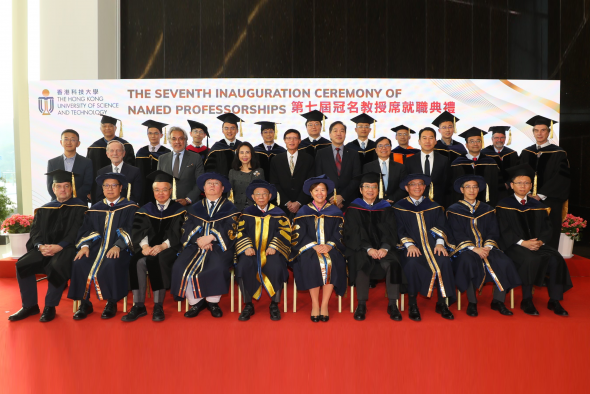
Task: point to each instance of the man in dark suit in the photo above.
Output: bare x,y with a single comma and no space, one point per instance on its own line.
363,145
393,172
71,161
184,165
268,149
116,152
289,171
341,165
432,164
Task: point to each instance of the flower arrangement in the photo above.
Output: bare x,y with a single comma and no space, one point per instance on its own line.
572,226
17,224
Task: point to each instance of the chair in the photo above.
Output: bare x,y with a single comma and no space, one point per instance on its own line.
295,299
240,297
459,299
396,301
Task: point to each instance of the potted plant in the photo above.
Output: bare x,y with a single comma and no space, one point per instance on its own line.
18,228
6,208
571,230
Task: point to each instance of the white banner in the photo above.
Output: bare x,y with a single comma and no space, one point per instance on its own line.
59,105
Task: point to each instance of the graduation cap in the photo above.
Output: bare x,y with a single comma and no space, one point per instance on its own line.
541,120
115,175
501,130
402,127
524,170
316,116
113,121
256,183
198,125
319,179
446,117
161,176
265,125
203,178
156,125
413,177
481,183
364,118
232,118
473,132
61,176
371,177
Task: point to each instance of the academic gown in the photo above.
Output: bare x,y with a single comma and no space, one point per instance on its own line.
526,222
265,157
97,152
505,159
147,162
422,225
311,228
221,157
104,227
400,154
373,227
552,171
312,148
477,227
452,152
366,156
208,271
55,223
261,231
157,226
485,167
202,150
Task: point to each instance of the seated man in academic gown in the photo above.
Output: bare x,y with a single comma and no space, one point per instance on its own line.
104,249
403,148
222,153
201,271
447,146
363,145
135,180
147,157
198,133
156,241
315,122
477,258
475,163
50,249
262,249
504,156
525,231
393,172
268,149
370,236
426,244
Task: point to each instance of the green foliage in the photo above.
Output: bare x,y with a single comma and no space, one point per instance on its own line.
6,206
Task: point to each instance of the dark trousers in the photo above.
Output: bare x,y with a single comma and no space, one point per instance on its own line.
441,300
28,292
472,298
554,289
248,297
362,283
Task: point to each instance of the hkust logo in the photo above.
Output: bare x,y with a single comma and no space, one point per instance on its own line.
45,103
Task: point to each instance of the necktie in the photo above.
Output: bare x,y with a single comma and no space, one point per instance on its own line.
291,164
117,170
153,148
475,159
523,202
538,147
268,148
161,207
176,166
384,172
362,145
262,209
416,203
338,161
427,166
212,205
112,204
231,144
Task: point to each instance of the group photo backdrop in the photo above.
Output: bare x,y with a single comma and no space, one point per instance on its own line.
78,104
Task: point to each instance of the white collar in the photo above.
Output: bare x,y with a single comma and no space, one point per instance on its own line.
366,142
196,145
470,157
166,204
544,145
368,203
386,161
156,147
120,166
431,154
419,200
526,199
265,208
113,202
230,142
294,154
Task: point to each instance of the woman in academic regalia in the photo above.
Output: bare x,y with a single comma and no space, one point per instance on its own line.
317,253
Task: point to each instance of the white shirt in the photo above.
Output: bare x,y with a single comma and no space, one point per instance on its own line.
386,164
144,241
366,142
120,166
439,241
69,162
230,142
155,147
470,157
198,146
430,159
266,146
265,208
294,156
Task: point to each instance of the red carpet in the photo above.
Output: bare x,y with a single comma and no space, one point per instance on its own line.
490,353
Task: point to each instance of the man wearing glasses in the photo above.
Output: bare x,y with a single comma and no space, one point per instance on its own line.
147,157
446,123
363,145
223,151
134,189
315,121
525,233
504,156
392,171
71,161
403,148
198,133
184,165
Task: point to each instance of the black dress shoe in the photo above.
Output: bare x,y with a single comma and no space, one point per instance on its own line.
48,314
471,310
444,311
84,310
500,307
372,284
394,313
247,312
361,311
528,307
214,309
555,306
196,309
110,310
158,313
414,313
135,313
324,318
315,319
275,313
23,313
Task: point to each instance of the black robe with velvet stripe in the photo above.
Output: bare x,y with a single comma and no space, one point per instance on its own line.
261,231
505,159
366,156
55,223
221,157
265,157
147,162
477,227
485,167
311,148
552,169
104,227
208,271
158,226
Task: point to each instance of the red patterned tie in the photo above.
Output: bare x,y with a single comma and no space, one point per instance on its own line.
338,161
523,202
112,204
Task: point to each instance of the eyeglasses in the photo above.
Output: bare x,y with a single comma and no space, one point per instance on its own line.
383,146
291,138
471,187
522,183
314,124
370,187
260,195
151,134
198,131
363,127
161,190
175,139
474,142
212,183
416,184
230,128
110,186
74,140
447,128
402,134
